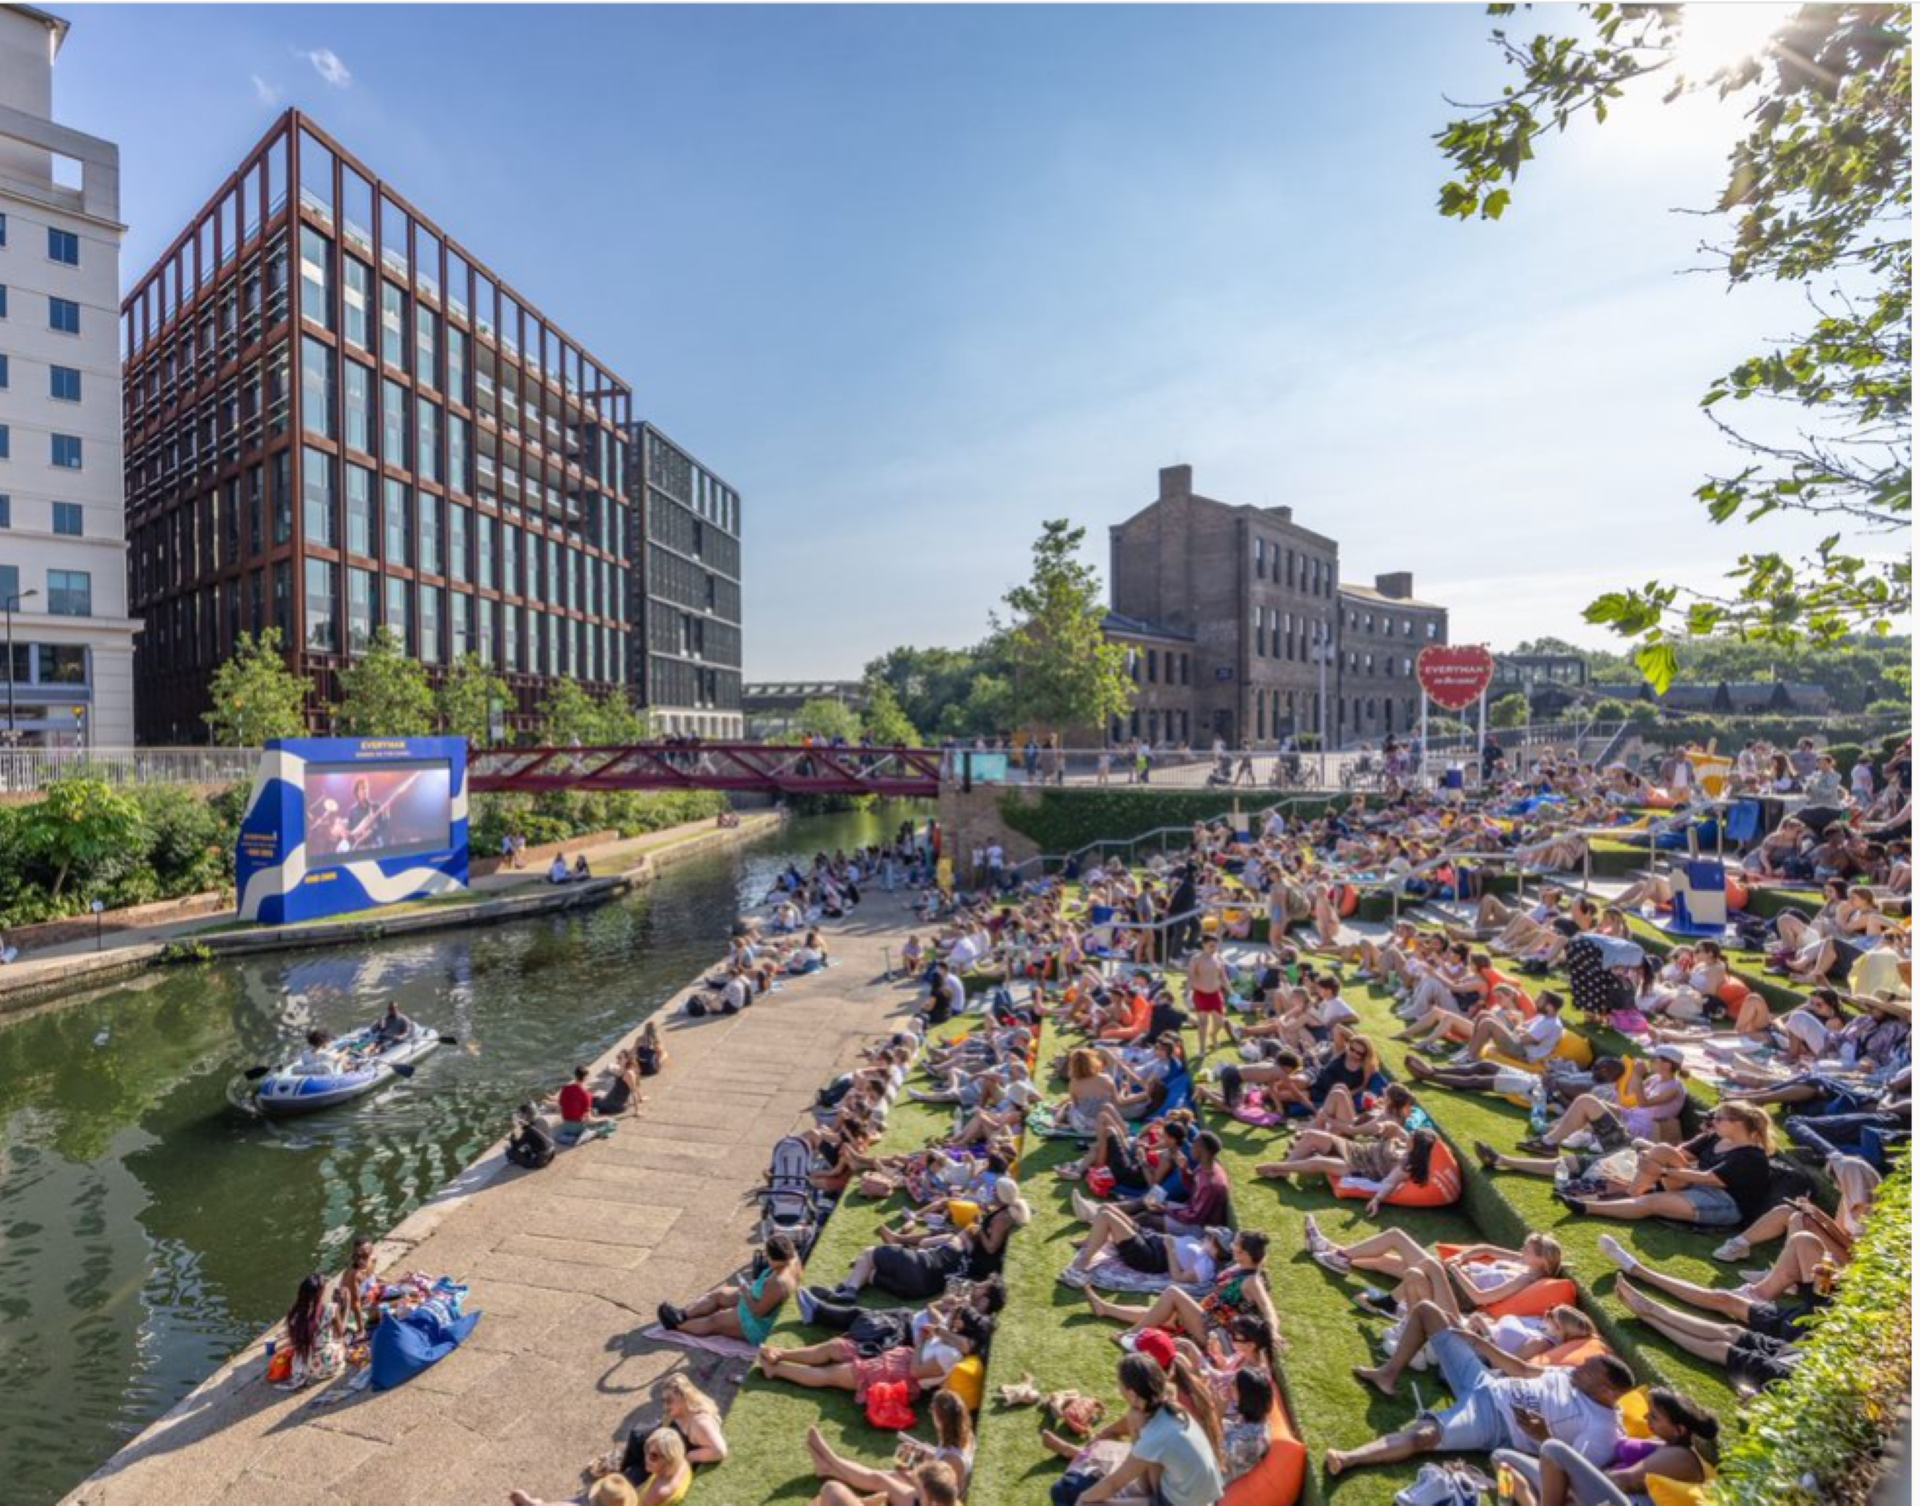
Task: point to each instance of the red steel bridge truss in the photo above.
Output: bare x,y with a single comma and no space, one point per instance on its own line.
911,773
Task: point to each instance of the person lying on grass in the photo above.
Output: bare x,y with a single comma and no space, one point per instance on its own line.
1499,1401
1185,1259
1753,1361
1239,1287
1408,1164
1598,1115
952,1445
1718,1179
1777,1304
1563,1477
1371,1147
1327,1094
742,1312
1477,1276
919,1269
874,1330
923,1365
932,1484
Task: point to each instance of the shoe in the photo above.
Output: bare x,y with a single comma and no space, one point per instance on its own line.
1073,1276
1376,1303
822,1294
1578,1205
1734,1249
671,1317
1489,1157
1084,1207
1533,1145
1619,1254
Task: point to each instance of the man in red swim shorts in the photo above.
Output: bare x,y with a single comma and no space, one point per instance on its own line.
1207,984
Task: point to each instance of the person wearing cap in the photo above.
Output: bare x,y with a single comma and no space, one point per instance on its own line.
1662,1096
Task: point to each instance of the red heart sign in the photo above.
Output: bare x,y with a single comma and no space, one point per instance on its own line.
1456,676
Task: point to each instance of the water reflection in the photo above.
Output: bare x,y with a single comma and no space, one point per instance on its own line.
148,1226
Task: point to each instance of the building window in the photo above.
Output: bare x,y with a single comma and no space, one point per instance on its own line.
317,498
357,283
3,301
6,512
399,616
6,441
66,451
316,388
63,246
1433,629
393,424
427,451
360,511
6,379
359,609
359,408
316,277
399,521
9,584
3,230
393,325
68,519
64,383
323,605
63,314
70,593
430,533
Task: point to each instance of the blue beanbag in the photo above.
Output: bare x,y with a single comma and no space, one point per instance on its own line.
404,1346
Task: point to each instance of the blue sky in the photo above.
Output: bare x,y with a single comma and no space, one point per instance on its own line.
914,280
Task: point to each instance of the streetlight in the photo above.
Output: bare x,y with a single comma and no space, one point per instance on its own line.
12,601
1322,652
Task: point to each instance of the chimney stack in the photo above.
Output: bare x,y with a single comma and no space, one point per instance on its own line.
1176,481
1398,585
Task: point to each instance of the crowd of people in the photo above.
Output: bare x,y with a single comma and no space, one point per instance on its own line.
1138,1011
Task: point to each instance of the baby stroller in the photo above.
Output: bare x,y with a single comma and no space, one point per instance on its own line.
789,1204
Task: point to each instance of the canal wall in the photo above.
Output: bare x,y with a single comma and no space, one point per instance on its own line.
626,864
568,1264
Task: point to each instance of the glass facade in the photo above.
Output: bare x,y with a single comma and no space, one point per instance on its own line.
308,315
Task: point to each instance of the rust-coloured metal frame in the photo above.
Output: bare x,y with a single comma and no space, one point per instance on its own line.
898,773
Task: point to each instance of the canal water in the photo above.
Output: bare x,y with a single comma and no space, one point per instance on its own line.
149,1228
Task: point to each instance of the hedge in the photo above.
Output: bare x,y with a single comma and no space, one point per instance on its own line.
1065,820
560,816
1735,732
1817,1437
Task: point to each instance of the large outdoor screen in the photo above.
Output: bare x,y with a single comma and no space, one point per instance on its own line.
385,810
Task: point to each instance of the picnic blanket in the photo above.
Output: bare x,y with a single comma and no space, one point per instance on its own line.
737,1349
1112,1274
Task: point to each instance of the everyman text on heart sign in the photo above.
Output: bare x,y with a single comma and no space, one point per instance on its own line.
1456,675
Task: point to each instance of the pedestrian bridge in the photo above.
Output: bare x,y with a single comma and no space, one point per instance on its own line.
763,768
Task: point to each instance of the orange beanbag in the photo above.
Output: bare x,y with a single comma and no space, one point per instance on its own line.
1555,1291
1277,1479
1345,899
1737,895
1442,1188
1566,1356
1733,993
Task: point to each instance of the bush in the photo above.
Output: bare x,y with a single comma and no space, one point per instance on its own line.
1063,821
1611,710
1817,1437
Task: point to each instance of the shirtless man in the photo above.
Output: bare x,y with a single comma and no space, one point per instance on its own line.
1207,987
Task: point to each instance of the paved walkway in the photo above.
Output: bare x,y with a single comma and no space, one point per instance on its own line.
567,1263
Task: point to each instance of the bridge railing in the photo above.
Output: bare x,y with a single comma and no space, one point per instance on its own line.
28,771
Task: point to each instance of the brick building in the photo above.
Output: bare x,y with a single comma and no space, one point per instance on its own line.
1250,603
1382,630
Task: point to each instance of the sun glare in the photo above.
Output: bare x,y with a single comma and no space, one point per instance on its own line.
1715,36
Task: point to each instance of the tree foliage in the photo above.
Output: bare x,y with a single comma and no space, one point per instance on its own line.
466,698
947,692
81,827
1065,672
255,696
1856,671
384,693
1509,711
885,722
1818,194
826,720
569,716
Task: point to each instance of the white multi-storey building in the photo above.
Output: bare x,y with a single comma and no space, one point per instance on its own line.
63,571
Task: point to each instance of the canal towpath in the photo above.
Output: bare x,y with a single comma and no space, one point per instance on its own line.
568,1265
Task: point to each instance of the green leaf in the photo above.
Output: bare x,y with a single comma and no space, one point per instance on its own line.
1658,663
1495,204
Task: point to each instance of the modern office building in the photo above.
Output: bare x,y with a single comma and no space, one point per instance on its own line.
773,707
338,419
1236,626
63,555
684,552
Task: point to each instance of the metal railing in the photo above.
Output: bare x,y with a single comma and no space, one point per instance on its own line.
26,771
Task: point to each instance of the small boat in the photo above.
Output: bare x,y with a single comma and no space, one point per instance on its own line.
359,1064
